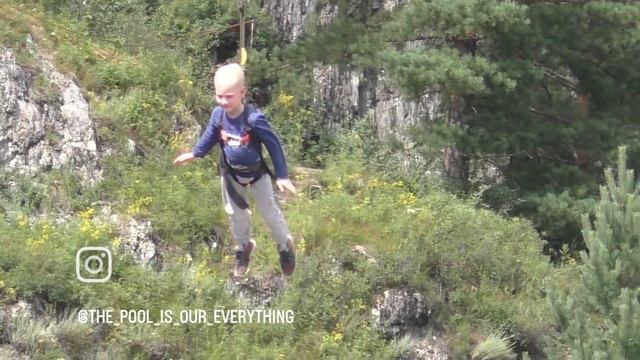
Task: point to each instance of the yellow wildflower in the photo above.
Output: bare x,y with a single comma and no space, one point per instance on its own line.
116,242
177,142
407,199
336,187
285,101
302,245
139,205
87,214
11,293
23,221
185,260
202,271
337,337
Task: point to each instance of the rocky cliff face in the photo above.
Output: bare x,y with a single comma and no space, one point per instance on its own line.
45,124
290,16
44,120
343,93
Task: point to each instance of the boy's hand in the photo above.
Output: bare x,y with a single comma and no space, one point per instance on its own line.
286,184
184,158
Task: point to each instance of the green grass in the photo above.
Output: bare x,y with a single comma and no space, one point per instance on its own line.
478,270
496,346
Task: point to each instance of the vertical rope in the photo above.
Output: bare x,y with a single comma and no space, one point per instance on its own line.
243,51
251,35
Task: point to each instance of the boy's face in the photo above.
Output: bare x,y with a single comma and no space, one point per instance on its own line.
229,96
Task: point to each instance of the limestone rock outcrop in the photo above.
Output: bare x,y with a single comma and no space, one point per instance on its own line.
44,120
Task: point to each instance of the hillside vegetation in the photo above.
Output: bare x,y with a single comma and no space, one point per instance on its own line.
367,224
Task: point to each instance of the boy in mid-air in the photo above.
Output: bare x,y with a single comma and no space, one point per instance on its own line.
241,129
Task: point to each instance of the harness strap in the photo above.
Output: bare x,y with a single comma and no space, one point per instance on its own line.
229,176
227,172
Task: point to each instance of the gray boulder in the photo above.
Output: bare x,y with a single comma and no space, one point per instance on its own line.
44,120
400,311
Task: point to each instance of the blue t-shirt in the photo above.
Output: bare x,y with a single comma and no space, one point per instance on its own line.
238,154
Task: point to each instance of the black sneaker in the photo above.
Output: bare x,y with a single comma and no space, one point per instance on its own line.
242,259
288,260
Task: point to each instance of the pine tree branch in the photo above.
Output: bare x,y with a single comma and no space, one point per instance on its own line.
546,90
550,116
563,80
419,38
282,67
597,64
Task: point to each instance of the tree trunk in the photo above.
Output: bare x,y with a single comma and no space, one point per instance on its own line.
456,165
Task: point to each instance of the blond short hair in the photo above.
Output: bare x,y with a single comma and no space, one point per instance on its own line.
230,74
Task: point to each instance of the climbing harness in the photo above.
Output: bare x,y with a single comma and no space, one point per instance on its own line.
230,172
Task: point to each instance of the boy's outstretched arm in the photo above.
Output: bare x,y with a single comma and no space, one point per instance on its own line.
272,142
206,142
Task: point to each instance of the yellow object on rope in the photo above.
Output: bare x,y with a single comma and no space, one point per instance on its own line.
243,56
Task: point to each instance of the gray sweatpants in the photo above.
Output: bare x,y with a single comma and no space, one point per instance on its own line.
268,208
